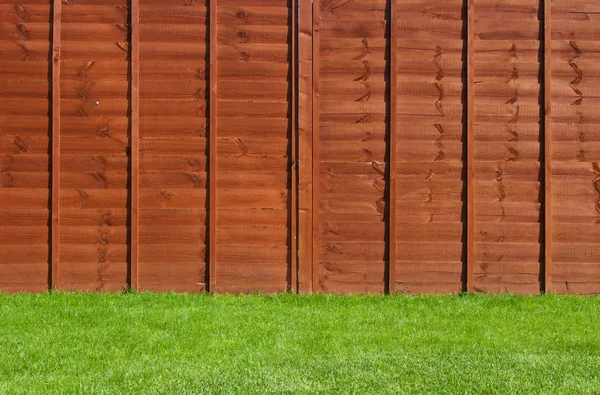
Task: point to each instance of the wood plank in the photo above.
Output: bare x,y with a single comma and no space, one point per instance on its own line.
393,149
135,145
55,225
305,147
470,145
548,287
315,143
212,184
294,158
351,277
177,277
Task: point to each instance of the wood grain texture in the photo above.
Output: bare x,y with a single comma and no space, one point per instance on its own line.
431,124
358,146
574,172
174,147
261,126
27,95
393,149
212,133
470,145
362,195
294,148
95,157
508,169
547,146
135,145
56,111
305,147
316,42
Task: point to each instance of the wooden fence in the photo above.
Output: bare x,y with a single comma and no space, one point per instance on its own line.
274,145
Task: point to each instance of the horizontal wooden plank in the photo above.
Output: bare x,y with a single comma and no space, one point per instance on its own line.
252,217
96,235
266,274
16,278
94,276
507,252
235,253
351,277
172,234
263,198
192,254
172,276
239,287
252,15
575,252
414,274
94,217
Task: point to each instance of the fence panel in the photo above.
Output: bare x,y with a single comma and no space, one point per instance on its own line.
351,129
253,146
574,50
173,145
94,147
273,145
508,131
430,152
25,143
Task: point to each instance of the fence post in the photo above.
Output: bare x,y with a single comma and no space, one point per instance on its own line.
135,142
392,148
55,224
294,158
547,146
305,147
470,144
212,150
315,145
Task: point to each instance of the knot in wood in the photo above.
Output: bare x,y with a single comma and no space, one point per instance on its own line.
243,36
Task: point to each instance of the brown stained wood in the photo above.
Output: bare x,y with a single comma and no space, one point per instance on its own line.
323,166
213,185
294,158
305,147
174,97
393,148
548,231
470,146
315,143
55,211
256,127
135,143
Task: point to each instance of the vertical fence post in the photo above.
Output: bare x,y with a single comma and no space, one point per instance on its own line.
135,142
212,123
294,159
315,145
55,210
305,146
547,146
391,286
470,144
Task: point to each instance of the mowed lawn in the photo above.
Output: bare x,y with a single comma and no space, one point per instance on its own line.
147,343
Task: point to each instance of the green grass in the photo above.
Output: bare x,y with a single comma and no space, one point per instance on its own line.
146,343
